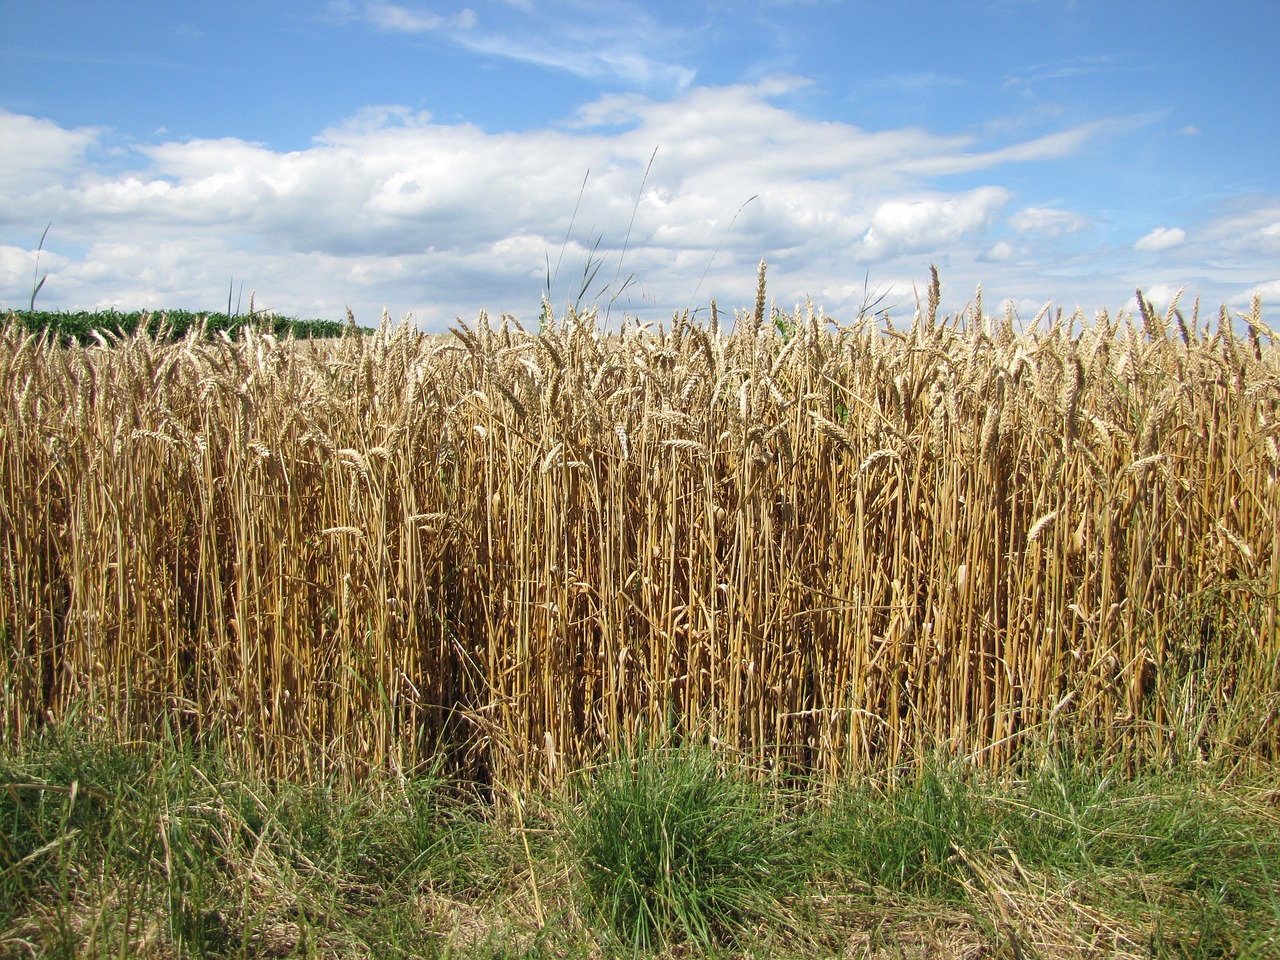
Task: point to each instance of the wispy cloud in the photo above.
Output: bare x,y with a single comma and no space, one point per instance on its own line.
1048,221
589,59
621,42
1070,69
390,16
913,82
1248,227
1052,146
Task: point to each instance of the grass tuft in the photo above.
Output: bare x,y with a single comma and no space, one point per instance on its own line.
913,837
674,846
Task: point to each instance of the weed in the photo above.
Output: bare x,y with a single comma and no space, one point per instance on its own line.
38,281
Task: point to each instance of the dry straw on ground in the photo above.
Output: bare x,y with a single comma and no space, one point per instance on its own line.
823,546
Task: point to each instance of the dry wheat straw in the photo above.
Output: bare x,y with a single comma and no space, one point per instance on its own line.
514,551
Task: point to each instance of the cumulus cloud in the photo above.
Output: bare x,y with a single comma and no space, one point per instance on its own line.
1159,295
1161,238
901,226
1268,291
19,267
38,153
999,252
394,207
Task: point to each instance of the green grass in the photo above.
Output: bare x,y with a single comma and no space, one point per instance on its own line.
111,849
1174,864
912,837
675,846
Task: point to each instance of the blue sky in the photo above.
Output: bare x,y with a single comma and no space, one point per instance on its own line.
428,157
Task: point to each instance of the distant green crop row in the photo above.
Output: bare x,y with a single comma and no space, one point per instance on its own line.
168,324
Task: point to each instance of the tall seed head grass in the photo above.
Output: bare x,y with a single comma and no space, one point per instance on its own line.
827,546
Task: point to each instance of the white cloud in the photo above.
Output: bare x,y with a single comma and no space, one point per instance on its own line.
621,41
38,153
1048,221
1161,238
397,18
914,83
1246,228
901,226
593,55
21,270
393,207
388,16
1068,69
1159,295
610,110
1052,146
1268,291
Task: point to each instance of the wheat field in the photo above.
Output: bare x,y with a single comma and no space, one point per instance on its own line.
824,547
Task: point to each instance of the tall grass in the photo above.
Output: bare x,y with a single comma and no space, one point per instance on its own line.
675,846
830,548
147,849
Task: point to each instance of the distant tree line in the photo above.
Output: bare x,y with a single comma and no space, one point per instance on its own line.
79,326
